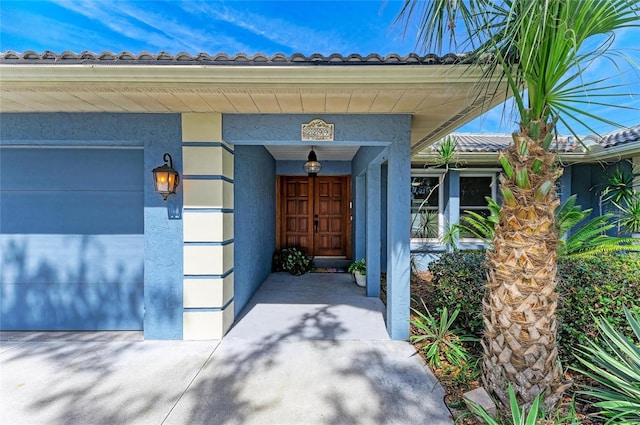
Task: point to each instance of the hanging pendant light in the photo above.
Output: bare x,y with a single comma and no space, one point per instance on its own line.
312,167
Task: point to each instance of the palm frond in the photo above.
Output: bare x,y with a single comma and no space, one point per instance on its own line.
613,361
537,47
568,215
479,226
591,239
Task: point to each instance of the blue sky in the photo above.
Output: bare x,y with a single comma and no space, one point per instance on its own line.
250,27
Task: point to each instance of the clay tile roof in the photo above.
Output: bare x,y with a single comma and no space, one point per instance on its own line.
183,58
621,137
487,143
498,142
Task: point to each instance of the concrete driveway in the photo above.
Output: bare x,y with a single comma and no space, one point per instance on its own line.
308,350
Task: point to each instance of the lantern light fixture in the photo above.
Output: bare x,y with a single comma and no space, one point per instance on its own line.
165,178
312,167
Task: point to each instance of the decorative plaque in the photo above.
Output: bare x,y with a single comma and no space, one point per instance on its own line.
317,131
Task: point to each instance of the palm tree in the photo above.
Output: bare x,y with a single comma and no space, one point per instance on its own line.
539,49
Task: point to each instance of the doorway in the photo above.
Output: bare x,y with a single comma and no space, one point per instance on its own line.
314,214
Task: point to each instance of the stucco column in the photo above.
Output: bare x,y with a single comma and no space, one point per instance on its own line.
636,169
565,184
162,236
398,242
452,199
208,286
359,204
373,230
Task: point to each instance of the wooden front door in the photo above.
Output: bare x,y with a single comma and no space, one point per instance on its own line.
314,214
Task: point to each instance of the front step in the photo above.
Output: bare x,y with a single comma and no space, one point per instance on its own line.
330,264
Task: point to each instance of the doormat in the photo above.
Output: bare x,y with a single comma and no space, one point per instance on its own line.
329,270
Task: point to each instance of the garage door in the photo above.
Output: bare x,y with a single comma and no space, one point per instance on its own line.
71,239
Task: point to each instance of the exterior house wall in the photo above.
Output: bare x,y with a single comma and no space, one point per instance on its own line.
584,180
359,168
329,168
588,182
368,132
193,287
255,234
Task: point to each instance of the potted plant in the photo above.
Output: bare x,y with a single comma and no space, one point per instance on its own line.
358,270
291,260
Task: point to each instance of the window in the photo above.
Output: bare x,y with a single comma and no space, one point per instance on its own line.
473,190
425,206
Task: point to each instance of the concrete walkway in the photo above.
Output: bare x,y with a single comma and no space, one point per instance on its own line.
308,350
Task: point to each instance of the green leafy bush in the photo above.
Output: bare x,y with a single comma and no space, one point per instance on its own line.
596,286
291,260
588,287
459,279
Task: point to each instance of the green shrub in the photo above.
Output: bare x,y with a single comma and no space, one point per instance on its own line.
588,287
595,287
291,260
459,279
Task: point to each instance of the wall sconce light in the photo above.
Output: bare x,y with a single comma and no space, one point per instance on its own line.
312,167
165,178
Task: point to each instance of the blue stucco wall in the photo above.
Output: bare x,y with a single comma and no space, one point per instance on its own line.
254,220
329,168
163,242
365,156
145,240
285,129
589,180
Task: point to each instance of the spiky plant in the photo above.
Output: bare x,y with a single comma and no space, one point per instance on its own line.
613,361
538,49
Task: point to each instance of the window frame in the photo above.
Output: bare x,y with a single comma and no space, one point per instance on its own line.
493,174
440,176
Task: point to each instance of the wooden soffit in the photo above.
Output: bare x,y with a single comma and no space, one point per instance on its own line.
440,98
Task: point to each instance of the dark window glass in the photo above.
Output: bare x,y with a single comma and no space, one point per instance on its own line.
473,191
425,194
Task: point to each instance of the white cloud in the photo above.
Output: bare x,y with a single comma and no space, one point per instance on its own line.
298,38
111,17
38,32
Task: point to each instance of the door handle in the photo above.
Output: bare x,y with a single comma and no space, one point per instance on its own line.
315,224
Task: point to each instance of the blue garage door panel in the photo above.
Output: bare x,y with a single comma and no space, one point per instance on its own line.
72,243
71,212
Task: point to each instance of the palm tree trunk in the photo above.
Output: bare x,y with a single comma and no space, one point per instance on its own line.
520,302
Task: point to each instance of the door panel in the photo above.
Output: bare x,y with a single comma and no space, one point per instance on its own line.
297,229
314,214
332,211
